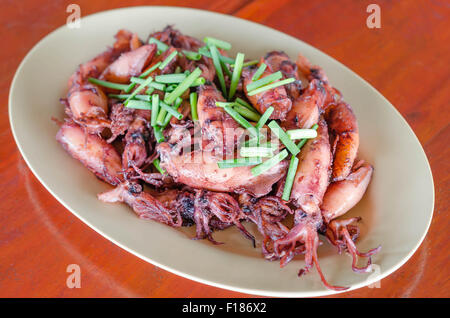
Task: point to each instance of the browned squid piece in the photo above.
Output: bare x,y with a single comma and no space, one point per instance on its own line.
92,151
213,210
310,184
344,137
144,204
340,197
276,97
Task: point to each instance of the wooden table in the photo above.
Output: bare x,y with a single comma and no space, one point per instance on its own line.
407,60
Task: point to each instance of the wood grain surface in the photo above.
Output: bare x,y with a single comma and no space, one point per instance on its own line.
407,60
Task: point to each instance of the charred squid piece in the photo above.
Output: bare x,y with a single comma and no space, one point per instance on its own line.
304,233
135,152
345,138
145,205
268,213
202,218
276,97
175,38
121,118
92,151
340,197
306,108
311,72
280,61
129,64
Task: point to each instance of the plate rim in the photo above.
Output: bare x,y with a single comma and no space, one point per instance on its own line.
250,291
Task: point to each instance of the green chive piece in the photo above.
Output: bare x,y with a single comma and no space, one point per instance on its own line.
239,162
161,45
199,81
247,113
155,109
205,52
157,165
178,69
290,178
168,60
302,133
252,62
136,91
170,78
256,152
194,56
158,86
241,120
158,134
270,86
268,164
264,81
225,68
120,87
259,72
303,141
171,110
218,43
218,66
236,74
244,103
183,86
151,69
138,104
223,104
125,96
279,132
262,121
193,100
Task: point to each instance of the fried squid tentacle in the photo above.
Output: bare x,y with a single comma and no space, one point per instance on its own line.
145,205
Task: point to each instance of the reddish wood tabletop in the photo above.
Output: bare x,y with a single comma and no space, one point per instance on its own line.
407,60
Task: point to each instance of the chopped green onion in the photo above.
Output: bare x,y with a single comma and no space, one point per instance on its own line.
264,81
218,43
138,104
236,74
171,110
247,113
194,56
199,81
155,109
158,134
218,66
168,60
151,69
290,178
183,86
176,105
156,163
171,88
155,85
205,52
241,120
120,87
193,101
279,132
170,78
125,96
271,86
161,45
303,141
262,121
136,91
252,62
178,69
223,104
244,103
259,72
302,133
239,162
225,68
268,164
256,152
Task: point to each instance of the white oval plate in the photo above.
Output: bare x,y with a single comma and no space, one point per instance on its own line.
396,210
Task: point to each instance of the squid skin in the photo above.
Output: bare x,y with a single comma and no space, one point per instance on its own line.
92,151
343,195
305,111
129,64
345,133
311,179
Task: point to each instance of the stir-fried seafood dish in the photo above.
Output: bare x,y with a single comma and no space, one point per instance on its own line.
189,136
